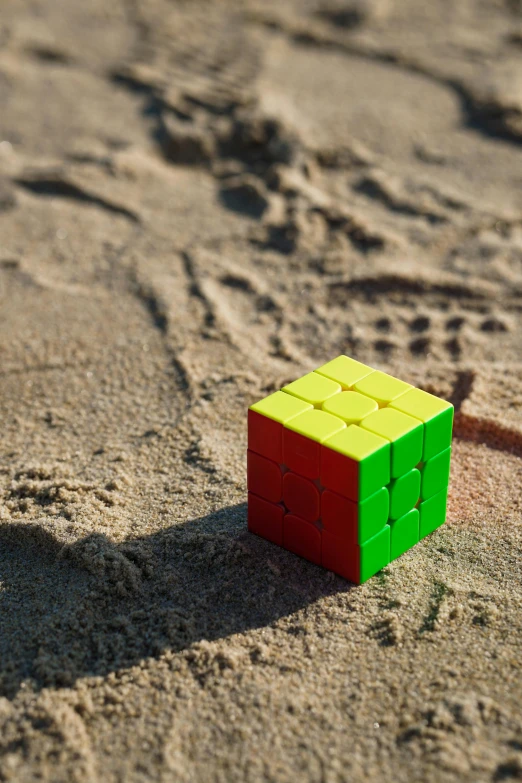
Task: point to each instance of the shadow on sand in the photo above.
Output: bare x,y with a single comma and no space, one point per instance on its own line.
96,607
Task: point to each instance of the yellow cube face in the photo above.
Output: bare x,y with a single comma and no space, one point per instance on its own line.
281,407
351,407
345,371
421,404
356,443
348,467
382,388
313,388
316,425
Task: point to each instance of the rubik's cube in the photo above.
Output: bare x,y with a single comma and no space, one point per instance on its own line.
348,467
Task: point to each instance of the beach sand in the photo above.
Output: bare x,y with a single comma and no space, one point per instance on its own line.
200,201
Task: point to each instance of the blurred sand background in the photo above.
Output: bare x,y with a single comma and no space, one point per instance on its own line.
198,202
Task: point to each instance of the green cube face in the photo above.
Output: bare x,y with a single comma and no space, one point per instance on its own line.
404,433
435,474
404,533
404,493
373,515
348,467
432,513
375,554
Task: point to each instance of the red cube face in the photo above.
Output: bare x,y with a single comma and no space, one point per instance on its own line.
340,474
265,519
265,437
301,496
264,477
339,516
302,538
301,454
338,556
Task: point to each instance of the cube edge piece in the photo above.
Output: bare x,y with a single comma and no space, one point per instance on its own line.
412,430
440,409
303,388
382,378
359,370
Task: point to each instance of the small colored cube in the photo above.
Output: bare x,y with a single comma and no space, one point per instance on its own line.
348,467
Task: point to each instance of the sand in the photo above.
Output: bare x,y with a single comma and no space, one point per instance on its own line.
200,201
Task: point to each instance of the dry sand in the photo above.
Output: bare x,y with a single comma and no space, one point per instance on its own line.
198,202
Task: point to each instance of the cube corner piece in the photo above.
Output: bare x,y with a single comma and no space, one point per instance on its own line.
348,467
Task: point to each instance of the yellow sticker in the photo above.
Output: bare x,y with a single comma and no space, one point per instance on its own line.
381,387
281,407
345,371
350,406
356,443
316,425
313,388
